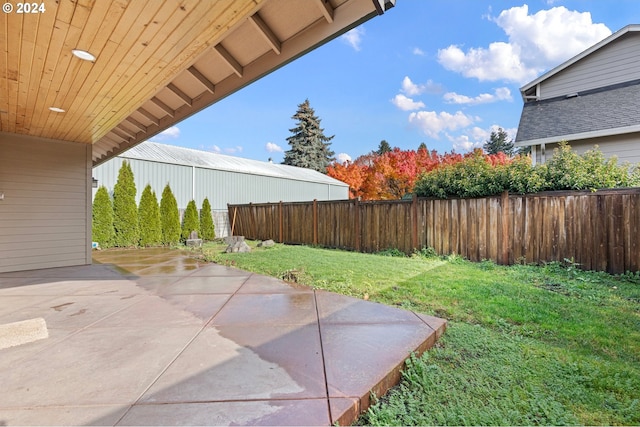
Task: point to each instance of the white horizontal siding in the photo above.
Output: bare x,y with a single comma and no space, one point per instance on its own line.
625,147
45,217
617,62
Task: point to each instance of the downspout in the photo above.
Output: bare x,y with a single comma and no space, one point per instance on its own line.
193,182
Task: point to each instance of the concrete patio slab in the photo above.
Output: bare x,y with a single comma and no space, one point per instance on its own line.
96,415
154,337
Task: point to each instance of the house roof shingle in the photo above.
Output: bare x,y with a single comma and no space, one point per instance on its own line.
613,107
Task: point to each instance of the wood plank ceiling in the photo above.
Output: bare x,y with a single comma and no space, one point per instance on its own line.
157,62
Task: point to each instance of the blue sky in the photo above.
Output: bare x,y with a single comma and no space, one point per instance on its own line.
442,72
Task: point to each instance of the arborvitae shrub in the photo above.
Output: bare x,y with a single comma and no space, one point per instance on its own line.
206,221
125,212
190,221
102,227
169,217
149,218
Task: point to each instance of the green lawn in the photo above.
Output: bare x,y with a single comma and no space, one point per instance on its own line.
525,345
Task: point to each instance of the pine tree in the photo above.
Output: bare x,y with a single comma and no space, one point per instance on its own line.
149,218
102,224
499,142
384,147
309,146
206,221
422,146
125,212
190,221
169,217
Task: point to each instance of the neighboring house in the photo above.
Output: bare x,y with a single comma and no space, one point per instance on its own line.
591,99
194,175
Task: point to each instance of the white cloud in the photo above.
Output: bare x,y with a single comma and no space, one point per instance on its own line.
476,137
412,89
216,149
464,143
418,51
500,94
432,123
343,157
273,148
536,43
233,150
170,133
406,104
353,37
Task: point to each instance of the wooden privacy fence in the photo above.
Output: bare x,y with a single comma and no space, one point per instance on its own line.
598,230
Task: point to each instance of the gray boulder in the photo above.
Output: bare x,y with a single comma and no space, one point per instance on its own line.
238,246
267,244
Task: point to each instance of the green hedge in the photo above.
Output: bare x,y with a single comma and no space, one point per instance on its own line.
190,221
169,217
475,176
102,216
206,221
149,218
125,211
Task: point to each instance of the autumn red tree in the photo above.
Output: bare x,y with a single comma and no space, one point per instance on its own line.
393,174
349,173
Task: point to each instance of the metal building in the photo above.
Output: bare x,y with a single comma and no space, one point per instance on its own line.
194,175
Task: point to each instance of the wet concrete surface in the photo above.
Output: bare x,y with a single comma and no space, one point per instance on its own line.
154,337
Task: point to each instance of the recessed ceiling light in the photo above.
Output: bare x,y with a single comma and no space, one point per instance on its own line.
56,110
83,54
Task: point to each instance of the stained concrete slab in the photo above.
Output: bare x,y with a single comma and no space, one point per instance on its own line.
154,337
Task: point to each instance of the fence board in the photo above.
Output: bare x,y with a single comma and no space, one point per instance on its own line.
493,231
454,237
600,231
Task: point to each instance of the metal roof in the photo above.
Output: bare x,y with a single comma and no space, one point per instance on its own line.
156,152
609,110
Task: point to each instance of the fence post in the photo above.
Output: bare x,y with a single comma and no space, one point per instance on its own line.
315,222
233,222
357,222
506,218
414,221
280,221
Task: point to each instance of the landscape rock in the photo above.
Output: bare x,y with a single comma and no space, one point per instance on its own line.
230,240
193,240
239,246
267,244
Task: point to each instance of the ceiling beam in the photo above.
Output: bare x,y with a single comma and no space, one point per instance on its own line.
129,132
137,124
120,133
170,111
175,89
327,9
98,151
155,120
202,79
266,33
230,60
